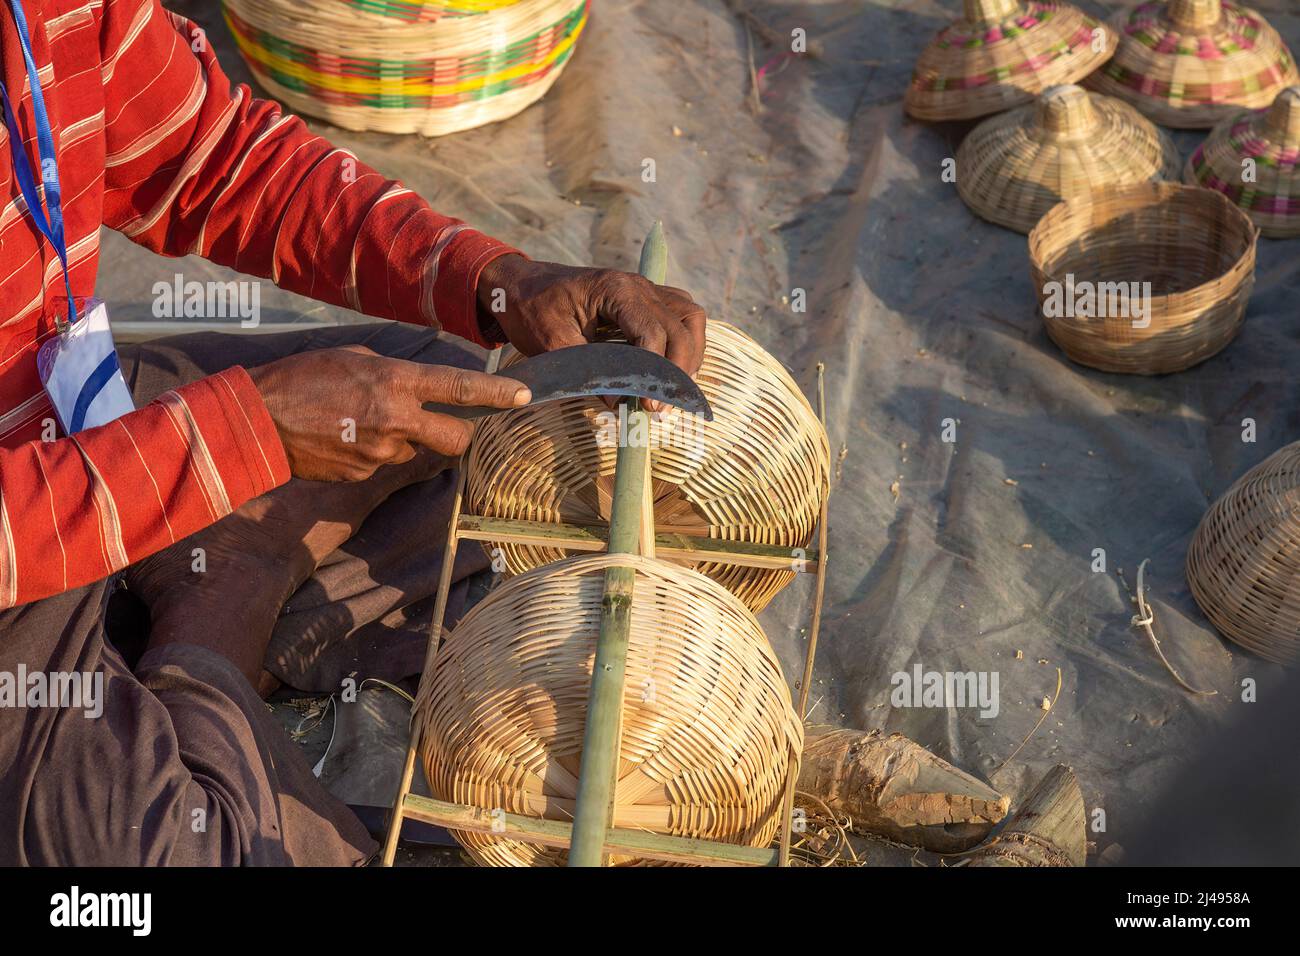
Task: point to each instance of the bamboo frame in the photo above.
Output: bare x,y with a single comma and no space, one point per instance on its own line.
590,837
756,473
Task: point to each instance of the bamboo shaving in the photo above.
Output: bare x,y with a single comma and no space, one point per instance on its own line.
1056,695
1145,619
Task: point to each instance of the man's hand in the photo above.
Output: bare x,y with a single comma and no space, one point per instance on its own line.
344,412
543,306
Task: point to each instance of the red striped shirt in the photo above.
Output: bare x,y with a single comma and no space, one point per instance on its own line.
153,141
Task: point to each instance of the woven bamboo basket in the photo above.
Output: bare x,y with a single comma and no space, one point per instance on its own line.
708,724
1194,247
757,473
1243,565
1270,138
1003,53
1013,168
1190,64
403,66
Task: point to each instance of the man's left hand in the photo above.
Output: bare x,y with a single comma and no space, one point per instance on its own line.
543,306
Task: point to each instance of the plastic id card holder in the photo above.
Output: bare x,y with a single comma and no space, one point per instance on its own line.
81,374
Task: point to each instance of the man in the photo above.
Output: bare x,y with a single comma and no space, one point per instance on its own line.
234,487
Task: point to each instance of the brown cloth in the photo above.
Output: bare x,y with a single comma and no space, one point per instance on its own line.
185,765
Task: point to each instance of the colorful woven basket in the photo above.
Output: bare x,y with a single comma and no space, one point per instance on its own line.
1003,53
1243,565
1254,159
1092,259
402,66
708,727
1190,64
757,473
1014,167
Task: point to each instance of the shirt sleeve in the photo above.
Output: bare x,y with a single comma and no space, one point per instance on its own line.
78,509
195,166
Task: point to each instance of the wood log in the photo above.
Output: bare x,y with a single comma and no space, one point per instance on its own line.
1049,829
893,787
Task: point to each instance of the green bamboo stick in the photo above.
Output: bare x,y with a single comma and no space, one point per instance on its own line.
654,255
600,741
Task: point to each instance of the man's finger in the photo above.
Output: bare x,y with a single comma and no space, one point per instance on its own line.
675,293
439,433
634,313
695,321
448,385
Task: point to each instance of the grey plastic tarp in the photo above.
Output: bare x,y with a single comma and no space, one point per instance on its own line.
921,312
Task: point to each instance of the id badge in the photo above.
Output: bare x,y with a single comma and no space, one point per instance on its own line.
81,374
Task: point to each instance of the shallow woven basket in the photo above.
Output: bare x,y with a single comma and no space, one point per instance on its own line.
757,473
1271,138
1003,53
1190,64
406,67
1013,168
1195,248
1244,562
708,727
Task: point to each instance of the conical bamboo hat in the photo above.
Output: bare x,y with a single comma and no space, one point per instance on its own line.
1268,189
1192,63
1243,565
1013,168
1003,53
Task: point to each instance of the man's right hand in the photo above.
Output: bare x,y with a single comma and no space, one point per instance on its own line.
344,412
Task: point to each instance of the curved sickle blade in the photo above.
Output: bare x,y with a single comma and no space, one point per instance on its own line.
600,368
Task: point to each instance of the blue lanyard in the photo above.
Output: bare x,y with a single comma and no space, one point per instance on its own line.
51,226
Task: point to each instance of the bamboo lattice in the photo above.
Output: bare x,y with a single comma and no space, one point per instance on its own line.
1243,565
757,473
1004,53
1013,168
406,67
708,724
1190,64
1253,158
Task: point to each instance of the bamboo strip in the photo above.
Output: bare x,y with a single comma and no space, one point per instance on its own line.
814,628
680,548
558,834
430,650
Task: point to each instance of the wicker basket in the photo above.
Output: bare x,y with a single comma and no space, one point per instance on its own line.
1190,64
1271,138
1244,562
708,725
1003,53
1013,168
757,473
1194,247
401,66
